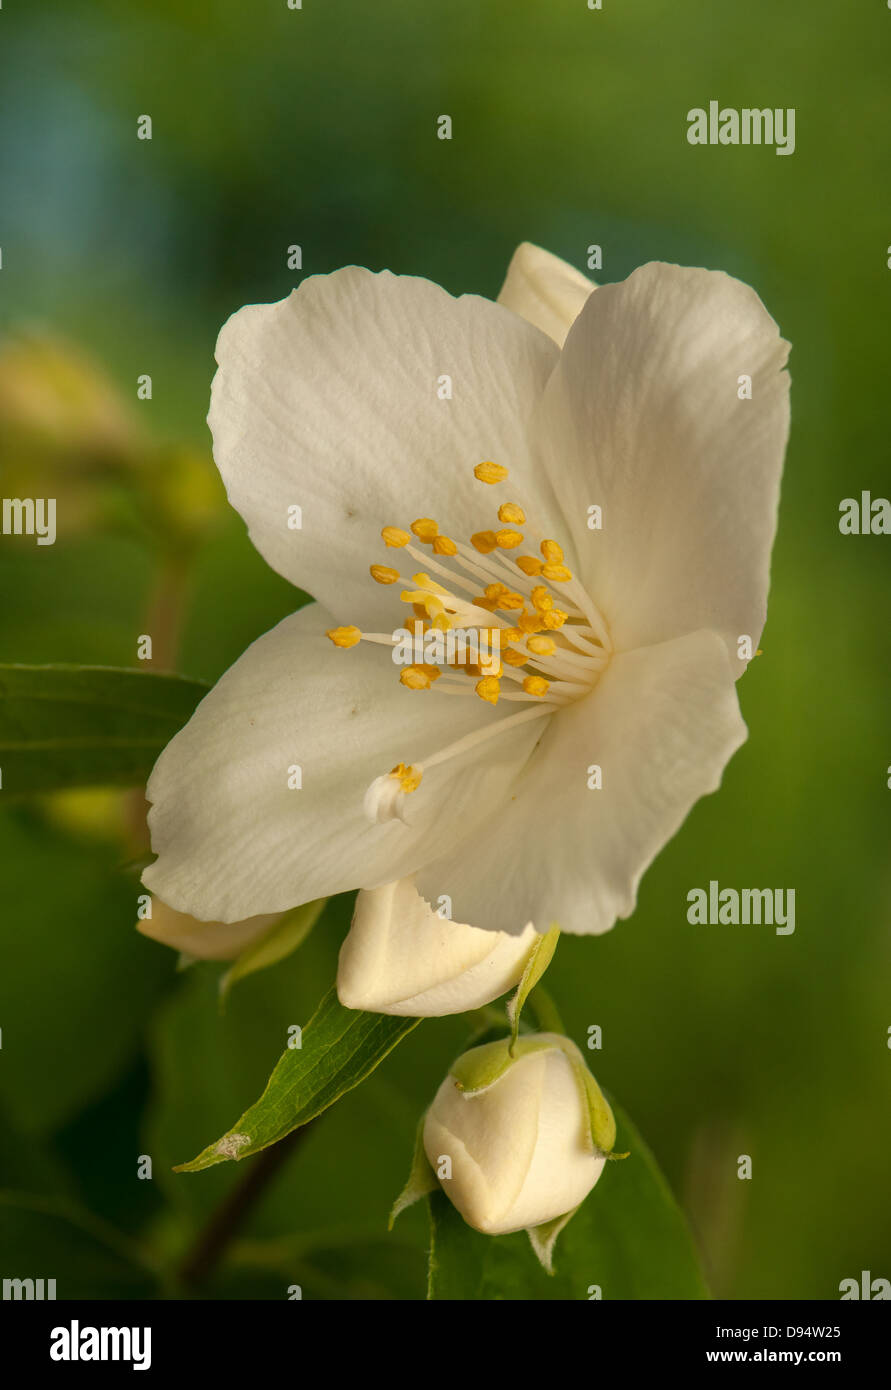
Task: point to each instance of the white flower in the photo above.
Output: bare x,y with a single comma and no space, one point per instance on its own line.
519,1149
399,420
401,957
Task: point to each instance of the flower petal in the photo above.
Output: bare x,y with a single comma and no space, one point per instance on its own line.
401,957
329,400
661,724
544,290
203,940
643,419
233,839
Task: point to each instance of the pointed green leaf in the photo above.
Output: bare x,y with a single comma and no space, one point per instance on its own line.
340,1048
79,726
543,1239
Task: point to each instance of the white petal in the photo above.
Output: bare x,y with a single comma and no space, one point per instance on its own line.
642,418
203,940
544,290
662,724
233,839
401,957
328,401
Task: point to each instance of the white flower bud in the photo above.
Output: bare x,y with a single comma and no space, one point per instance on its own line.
524,1147
400,957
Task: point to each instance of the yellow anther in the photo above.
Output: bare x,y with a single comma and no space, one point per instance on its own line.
444,545
551,551
508,539
383,574
490,472
529,564
558,574
394,536
424,581
554,618
510,634
426,529
420,612
509,601
484,541
432,673
530,622
442,622
344,636
542,646
490,604
495,590
509,511
513,657
409,777
489,688
536,685
414,678
542,599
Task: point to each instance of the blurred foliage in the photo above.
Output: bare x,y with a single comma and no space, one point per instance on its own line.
120,257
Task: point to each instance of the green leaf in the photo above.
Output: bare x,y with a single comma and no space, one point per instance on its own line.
283,937
340,1048
629,1239
76,726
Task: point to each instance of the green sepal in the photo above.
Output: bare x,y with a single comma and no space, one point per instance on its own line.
278,941
543,1238
538,960
481,1067
421,1178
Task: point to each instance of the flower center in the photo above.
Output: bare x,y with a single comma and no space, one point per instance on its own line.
493,623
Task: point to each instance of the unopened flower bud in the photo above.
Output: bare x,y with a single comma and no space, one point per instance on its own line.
526,1135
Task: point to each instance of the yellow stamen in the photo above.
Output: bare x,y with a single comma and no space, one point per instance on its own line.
541,598
490,472
551,551
409,777
529,564
489,688
383,574
484,541
509,511
425,528
495,590
530,622
510,634
542,646
508,539
509,601
554,618
536,685
513,657
444,545
414,678
394,536
490,604
344,636
558,574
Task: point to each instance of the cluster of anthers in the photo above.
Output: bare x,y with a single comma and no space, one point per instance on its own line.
548,641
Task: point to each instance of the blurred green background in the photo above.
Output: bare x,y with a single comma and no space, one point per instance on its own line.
121,257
